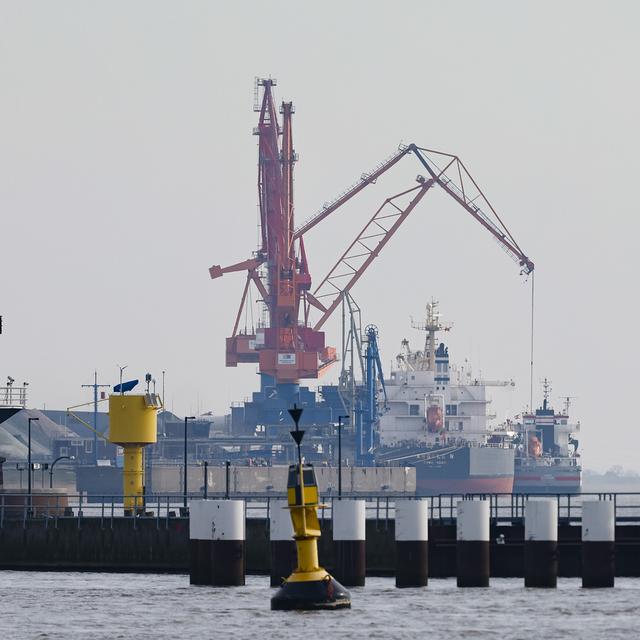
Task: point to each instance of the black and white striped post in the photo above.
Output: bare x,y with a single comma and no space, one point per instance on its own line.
283,547
412,535
472,543
228,543
598,544
349,542
200,541
541,543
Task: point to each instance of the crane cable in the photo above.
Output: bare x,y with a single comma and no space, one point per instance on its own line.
533,275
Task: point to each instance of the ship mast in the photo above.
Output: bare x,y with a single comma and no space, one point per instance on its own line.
431,325
546,390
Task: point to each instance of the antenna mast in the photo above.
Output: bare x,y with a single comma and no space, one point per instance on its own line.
431,325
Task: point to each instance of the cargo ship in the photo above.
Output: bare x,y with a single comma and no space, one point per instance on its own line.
436,419
547,458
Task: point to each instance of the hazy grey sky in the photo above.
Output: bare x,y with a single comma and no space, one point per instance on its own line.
127,168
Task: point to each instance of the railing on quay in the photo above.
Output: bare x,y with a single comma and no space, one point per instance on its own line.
505,508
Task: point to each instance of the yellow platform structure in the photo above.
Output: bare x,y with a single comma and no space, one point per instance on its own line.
133,424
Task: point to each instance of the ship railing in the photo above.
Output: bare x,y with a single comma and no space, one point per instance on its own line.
54,510
13,397
549,461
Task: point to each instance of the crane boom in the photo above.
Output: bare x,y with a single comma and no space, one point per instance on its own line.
365,180
460,195
364,249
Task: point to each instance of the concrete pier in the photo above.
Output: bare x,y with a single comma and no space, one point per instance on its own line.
200,541
412,546
228,547
541,543
472,535
282,546
93,538
349,542
598,544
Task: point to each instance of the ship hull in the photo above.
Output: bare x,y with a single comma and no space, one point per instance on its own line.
547,480
467,470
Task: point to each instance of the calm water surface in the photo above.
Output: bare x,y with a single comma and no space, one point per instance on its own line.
100,605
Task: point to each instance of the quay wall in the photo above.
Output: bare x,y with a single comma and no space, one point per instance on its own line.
168,479
161,545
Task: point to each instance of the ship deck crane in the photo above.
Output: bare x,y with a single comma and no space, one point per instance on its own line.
290,345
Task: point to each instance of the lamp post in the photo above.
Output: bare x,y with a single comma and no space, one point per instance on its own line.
53,464
29,488
184,484
340,418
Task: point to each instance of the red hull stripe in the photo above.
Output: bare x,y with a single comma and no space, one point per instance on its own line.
466,485
539,478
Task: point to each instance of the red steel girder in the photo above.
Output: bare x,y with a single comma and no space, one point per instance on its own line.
364,249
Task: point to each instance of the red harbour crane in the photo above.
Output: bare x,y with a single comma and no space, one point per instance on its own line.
291,346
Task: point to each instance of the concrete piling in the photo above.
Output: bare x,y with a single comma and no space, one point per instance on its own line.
282,545
411,526
598,544
541,543
472,546
200,541
228,546
349,542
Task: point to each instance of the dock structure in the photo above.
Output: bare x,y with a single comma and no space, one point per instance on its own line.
541,543
99,536
473,566
412,543
283,548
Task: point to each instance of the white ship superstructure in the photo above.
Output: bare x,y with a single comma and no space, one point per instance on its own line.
436,418
547,458
429,401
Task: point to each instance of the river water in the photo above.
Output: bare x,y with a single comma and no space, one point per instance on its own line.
101,605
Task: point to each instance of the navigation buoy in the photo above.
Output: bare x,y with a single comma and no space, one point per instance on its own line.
309,586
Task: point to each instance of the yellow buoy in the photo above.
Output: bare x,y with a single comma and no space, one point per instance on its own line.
133,424
309,586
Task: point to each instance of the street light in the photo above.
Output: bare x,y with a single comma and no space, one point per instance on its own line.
29,465
185,462
340,418
53,464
